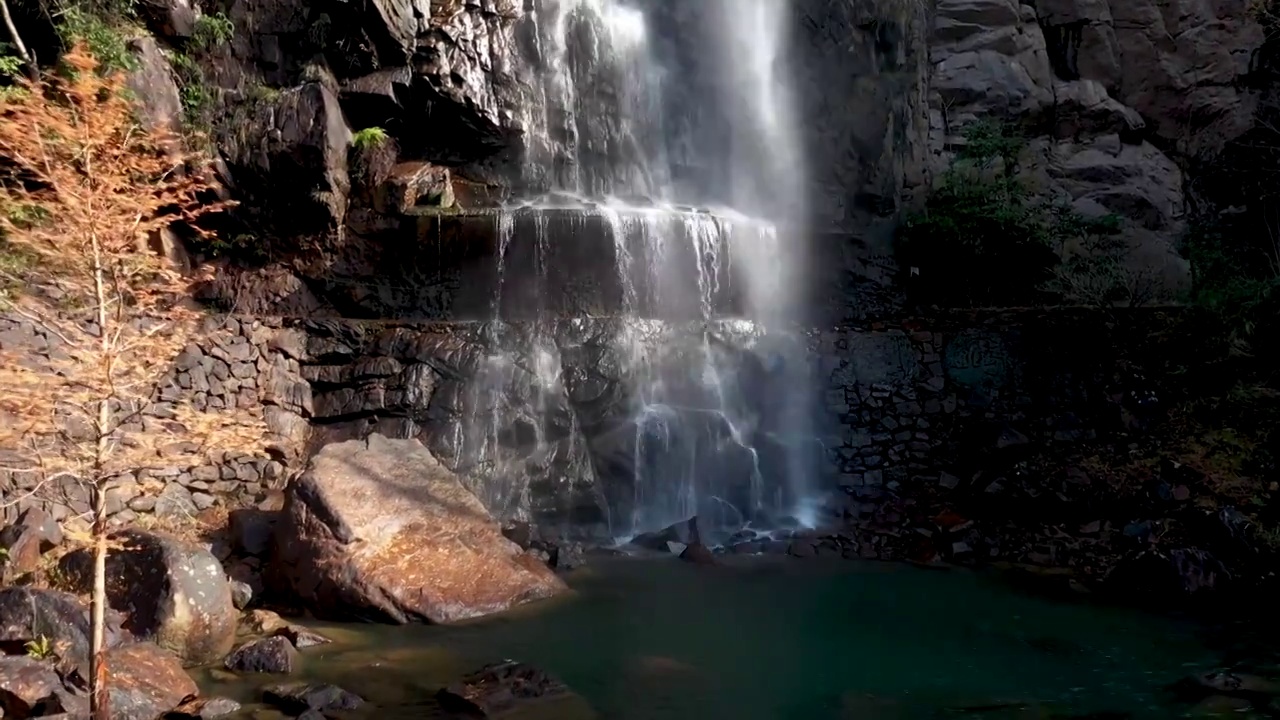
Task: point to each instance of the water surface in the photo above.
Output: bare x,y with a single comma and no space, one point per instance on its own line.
777,639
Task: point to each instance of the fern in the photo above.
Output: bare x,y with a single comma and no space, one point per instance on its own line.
369,138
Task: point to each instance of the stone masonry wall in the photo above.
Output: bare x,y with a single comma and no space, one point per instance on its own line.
909,402
234,365
924,400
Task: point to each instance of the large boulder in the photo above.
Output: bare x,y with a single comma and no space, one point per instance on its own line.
25,683
380,529
25,541
146,682
29,614
171,592
151,82
295,157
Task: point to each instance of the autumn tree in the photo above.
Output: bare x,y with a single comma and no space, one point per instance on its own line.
83,188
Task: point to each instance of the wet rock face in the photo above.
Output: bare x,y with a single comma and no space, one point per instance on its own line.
884,90
380,529
859,73
546,423
172,593
296,156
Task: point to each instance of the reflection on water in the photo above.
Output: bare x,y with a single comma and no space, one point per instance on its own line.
776,639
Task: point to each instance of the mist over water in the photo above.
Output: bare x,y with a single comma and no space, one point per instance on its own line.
667,130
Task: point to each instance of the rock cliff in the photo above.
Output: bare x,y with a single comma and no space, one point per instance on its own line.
1119,100
1125,105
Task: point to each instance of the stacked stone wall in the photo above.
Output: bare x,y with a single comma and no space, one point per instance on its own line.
923,400
234,367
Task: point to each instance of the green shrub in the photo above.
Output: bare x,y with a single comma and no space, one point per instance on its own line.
198,99
105,32
245,247
11,65
1236,279
984,239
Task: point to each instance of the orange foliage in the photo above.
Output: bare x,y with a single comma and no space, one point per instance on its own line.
103,186
82,189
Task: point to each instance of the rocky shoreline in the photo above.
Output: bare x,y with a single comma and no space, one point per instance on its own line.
378,530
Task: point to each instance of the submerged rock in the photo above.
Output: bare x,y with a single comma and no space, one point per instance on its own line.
267,655
263,622
698,554
1238,685
1167,574
673,538
301,637
170,592
204,709
304,697
500,689
379,529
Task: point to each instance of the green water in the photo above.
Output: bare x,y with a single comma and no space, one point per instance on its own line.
781,639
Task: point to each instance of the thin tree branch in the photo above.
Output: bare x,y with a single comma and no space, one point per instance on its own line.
28,57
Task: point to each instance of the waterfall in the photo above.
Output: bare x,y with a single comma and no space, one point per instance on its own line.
702,274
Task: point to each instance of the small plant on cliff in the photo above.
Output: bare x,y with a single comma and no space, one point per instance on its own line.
197,99
104,32
212,31
1236,281
369,138
72,147
373,155
41,648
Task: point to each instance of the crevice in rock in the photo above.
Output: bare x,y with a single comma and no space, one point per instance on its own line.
1063,45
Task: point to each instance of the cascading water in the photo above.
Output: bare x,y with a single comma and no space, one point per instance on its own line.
712,418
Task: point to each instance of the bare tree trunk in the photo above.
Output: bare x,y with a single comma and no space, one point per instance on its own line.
98,698
98,705
32,69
